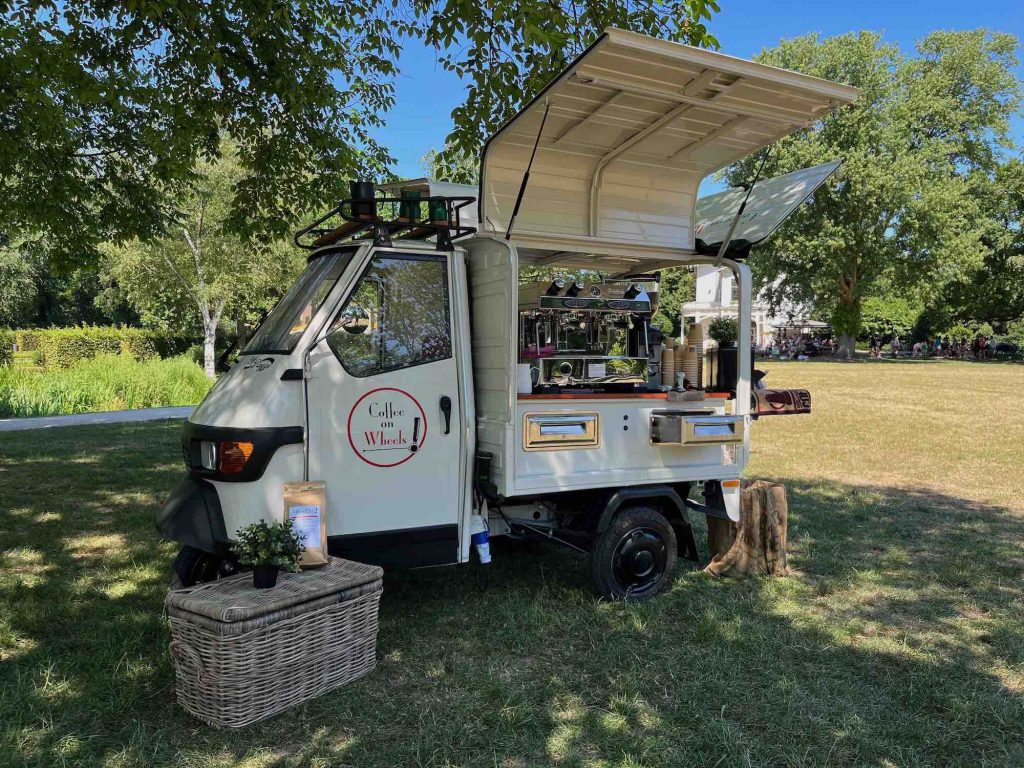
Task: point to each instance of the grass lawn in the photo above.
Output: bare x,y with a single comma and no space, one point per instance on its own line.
898,642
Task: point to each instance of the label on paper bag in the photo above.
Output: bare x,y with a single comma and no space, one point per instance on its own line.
305,504
306,522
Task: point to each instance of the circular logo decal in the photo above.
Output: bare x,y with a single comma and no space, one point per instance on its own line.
386,427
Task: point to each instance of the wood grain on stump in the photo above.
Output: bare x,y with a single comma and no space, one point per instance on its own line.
757,544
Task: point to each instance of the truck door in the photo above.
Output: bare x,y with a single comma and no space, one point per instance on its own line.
384,414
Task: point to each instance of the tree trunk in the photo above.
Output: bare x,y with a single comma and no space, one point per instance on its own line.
847,347
209,351
757,544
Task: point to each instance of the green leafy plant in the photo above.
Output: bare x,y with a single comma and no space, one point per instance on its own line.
723,330
266,543
105,383
6,347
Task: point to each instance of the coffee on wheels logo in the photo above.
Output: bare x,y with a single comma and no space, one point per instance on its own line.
386,427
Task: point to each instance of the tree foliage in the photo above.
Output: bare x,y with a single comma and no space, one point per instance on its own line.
108,106
509,51
903,210
202,271
17,286
994,292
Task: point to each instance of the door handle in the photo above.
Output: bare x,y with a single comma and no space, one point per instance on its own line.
446,409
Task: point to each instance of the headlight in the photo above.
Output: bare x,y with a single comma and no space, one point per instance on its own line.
208,455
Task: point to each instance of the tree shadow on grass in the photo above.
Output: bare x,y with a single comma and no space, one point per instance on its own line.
898,639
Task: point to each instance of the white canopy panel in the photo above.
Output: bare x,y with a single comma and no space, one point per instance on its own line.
633,126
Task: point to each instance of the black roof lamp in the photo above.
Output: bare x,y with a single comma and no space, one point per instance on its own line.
364,204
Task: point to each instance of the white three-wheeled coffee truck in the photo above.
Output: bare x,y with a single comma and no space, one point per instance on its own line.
410,371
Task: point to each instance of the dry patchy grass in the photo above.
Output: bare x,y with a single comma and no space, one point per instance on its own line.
899,642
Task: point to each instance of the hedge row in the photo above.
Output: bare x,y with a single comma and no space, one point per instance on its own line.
63,347
6,347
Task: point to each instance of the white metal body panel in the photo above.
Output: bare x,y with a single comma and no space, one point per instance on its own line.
263,499
251,394
625,456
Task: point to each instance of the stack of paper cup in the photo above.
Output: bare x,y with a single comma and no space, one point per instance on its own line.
693,356
668,366
679,354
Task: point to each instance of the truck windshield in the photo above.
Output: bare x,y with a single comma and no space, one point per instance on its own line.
280,331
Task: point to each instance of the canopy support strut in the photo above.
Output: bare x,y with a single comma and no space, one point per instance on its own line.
739,214
526,176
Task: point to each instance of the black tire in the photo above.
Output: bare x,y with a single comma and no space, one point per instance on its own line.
635,557
193,566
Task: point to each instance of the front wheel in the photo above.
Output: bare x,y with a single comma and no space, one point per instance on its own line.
193,566
634,558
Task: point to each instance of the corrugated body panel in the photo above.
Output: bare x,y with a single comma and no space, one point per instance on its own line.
491,269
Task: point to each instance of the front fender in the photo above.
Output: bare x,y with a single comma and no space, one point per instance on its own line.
192,515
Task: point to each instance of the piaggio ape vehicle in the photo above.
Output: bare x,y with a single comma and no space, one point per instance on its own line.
409,370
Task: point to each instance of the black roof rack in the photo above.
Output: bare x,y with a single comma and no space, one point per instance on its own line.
361,217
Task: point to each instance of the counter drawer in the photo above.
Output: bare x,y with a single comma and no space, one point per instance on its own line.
687,429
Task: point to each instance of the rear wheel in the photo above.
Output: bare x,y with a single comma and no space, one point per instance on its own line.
634,558
193,566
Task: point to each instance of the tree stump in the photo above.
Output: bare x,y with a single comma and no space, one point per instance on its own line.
757,544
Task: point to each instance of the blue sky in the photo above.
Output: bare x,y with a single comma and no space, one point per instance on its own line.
426,94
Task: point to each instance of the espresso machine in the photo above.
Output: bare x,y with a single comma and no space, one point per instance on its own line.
588,336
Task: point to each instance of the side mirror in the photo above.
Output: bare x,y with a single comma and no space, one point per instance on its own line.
354,320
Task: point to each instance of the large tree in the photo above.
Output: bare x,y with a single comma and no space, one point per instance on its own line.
903,209
201,271
994,292
107,106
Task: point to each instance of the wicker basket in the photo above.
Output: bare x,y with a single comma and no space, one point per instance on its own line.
242,654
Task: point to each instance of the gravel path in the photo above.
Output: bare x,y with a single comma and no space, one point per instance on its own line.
108,417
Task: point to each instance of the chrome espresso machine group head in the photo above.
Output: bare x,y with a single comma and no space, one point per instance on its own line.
588,335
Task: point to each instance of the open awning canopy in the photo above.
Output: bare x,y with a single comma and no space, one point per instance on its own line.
633,126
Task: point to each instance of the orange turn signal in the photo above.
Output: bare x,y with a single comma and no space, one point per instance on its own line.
730,483
232,455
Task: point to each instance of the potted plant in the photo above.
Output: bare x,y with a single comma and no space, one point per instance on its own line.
724,331
268,547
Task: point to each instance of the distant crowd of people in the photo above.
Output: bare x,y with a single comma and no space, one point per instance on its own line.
806,345
798,348
980,348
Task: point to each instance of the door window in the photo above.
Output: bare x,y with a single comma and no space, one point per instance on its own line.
396,317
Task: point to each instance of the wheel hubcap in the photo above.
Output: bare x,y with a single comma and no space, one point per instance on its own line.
639,560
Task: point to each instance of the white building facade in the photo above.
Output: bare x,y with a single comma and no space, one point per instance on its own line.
716,296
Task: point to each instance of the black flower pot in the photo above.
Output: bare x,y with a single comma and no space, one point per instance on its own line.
265,576
728,368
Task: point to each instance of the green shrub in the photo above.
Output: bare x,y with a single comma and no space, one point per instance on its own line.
105,383
197,354
171,345
27,339
64,347
6,347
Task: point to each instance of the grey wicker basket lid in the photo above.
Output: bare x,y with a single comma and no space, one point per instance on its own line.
235,599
